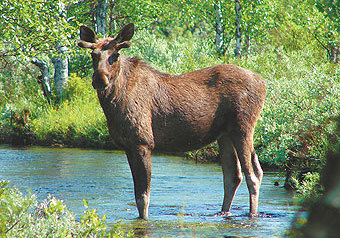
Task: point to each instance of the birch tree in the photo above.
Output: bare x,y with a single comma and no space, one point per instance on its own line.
219,28
238,35
101,16
61,61
38,32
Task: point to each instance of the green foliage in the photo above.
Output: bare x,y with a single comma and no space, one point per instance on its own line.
12,207
173,55
22,216
206,154
31,27
308,190
77,121
301,102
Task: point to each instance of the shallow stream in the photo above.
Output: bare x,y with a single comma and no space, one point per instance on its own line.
185,196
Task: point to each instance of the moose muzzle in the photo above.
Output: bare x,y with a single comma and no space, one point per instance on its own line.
100,80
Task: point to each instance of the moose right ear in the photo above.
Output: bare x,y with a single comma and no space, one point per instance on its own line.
87,34
126,33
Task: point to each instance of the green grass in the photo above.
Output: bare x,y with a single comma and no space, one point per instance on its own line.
77,121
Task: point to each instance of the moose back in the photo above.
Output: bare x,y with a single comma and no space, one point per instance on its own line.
147,110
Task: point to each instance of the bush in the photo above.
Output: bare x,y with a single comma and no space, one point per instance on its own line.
308,189
206,154
297,125
22,216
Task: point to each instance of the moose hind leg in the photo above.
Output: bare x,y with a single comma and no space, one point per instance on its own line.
251,168
232,175
140,165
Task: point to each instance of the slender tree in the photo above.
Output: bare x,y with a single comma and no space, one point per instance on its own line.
219,28
61,61
331,9
44,78
112,15
238,35
101,16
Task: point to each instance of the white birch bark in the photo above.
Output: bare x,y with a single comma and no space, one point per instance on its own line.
61,61
238,45
219,28
101,19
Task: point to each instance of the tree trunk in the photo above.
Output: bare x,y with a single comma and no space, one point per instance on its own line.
219,29
60,71
112,21
238,35
61,61
44,78
101,19
334,54
247,44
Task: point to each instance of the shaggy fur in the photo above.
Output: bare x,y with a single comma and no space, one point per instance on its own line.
148,110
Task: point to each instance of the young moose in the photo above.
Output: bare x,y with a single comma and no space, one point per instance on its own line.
147,110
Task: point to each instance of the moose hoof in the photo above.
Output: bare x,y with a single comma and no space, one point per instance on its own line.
253,215
223,214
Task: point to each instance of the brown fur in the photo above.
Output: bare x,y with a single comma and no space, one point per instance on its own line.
148,110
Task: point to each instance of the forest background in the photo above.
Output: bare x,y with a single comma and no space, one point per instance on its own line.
46,97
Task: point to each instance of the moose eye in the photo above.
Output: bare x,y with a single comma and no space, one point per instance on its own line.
95,58
113,58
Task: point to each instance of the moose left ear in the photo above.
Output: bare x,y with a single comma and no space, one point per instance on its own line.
85,44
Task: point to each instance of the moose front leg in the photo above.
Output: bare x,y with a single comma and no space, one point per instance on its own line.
140,164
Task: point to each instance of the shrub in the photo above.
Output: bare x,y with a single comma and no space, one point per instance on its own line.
308,189
22,216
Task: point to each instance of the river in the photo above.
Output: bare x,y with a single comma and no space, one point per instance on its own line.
185,196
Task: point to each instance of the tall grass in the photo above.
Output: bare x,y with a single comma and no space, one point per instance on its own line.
77,121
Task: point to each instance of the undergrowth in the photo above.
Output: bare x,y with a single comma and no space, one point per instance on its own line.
22,216
77,121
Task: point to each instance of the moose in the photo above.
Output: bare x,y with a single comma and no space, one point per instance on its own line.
148,110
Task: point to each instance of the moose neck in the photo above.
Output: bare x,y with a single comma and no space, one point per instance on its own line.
130,74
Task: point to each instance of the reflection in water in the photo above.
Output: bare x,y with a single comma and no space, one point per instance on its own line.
185,196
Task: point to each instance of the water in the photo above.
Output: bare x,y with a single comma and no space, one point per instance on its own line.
184,196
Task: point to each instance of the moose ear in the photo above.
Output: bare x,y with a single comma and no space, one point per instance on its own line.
125,44
87,34
126,33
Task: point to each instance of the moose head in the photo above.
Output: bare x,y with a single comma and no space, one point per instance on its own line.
105,53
